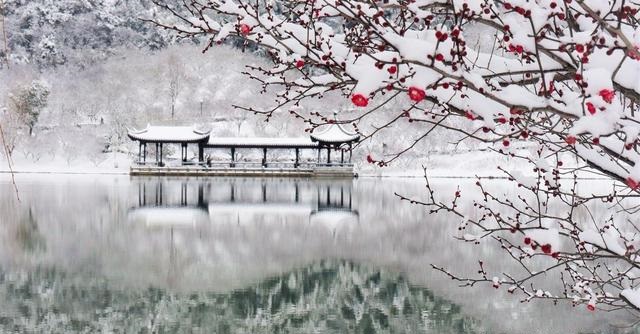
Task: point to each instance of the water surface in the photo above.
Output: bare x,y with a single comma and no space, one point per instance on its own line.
115,254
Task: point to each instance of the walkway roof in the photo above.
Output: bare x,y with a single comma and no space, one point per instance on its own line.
261,142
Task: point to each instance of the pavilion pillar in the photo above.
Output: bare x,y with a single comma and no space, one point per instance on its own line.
329,155
319,154
350,152
264,157
233,157
184,153
144,152
200,153
139,152
158,154
297,160
342,156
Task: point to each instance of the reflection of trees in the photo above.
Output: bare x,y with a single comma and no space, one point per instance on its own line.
28,235
330,297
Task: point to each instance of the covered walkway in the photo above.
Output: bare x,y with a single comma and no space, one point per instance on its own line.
330,138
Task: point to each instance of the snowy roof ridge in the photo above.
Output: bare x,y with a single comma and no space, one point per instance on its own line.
162,133
334,132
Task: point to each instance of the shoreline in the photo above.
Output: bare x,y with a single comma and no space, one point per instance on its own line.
365,176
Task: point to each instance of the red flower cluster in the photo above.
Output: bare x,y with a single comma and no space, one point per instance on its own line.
469,115
607,95
245,29
441,36
370,159
516,48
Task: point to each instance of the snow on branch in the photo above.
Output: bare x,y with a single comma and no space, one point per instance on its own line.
538,81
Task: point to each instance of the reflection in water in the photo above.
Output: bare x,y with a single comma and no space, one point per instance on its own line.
114,254
329,297
200,199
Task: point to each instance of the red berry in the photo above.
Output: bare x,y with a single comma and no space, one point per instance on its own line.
392,70
632,183
591,307
300,63
546,248
439,57
505,143
359,100
591,108
527,240
580,48
571,140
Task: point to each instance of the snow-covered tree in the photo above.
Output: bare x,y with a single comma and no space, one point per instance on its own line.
549,82
28,101
53,32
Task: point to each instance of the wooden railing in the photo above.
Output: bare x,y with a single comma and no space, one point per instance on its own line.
249,164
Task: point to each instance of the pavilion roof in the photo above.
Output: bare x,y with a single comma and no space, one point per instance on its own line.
334,133
169,134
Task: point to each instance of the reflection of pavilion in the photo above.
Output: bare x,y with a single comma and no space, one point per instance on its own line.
162,202
157,208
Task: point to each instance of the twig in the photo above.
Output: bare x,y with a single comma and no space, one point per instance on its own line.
6,152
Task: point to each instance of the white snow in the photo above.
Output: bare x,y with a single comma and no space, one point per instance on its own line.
169,133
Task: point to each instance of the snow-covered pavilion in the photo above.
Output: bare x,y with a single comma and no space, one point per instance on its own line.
332,137
335,137
161,135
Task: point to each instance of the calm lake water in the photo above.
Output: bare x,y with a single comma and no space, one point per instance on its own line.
114,254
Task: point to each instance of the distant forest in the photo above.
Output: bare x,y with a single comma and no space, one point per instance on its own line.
49,33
